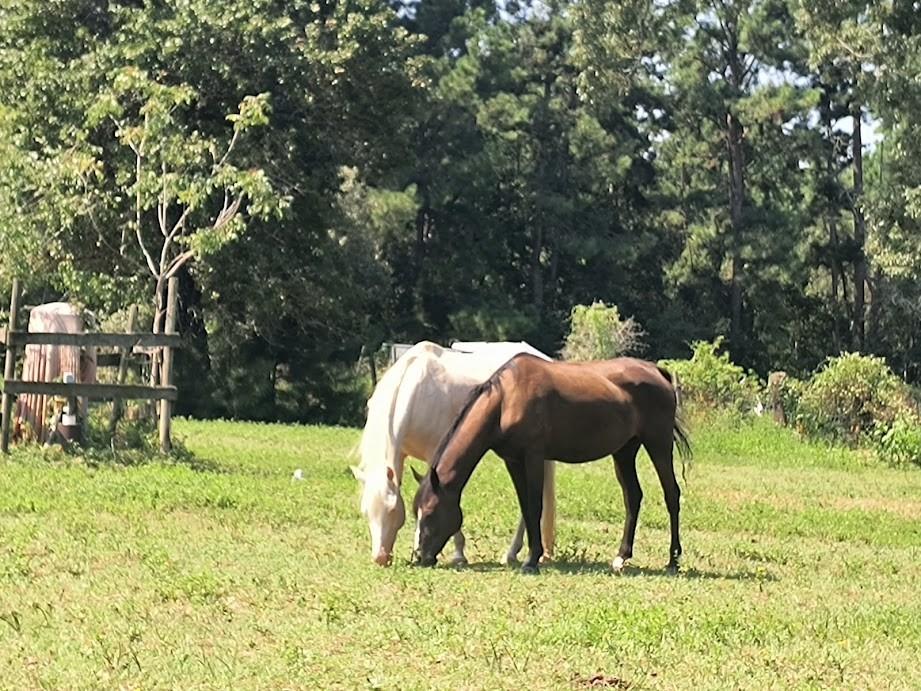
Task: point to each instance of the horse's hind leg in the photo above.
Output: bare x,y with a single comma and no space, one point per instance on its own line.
548,515
511,556
459,543
662,455
625,469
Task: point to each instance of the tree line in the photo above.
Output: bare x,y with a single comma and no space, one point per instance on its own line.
327,176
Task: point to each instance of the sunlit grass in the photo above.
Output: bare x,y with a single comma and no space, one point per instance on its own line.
801,570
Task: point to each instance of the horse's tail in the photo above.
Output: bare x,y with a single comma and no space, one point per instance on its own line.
382,407
681,437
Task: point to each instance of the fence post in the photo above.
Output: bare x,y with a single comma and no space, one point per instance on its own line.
776,381
166,367
9,370
122,371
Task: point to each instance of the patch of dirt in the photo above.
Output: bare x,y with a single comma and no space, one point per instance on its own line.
603,681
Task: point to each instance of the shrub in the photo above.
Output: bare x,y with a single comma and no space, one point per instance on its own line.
711,380
791,390
850,398
597,332
900,443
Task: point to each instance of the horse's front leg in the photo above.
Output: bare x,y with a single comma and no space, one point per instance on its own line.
530,512
459,544
534,486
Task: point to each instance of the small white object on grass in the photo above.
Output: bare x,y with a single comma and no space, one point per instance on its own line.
298,475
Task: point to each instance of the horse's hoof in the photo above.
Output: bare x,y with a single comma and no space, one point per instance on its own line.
619,564
546,558
459,561
510,559
672,568
529,569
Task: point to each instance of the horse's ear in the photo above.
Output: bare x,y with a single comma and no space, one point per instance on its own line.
417,475
358,473
436,483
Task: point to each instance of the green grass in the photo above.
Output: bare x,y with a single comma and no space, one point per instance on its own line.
801,570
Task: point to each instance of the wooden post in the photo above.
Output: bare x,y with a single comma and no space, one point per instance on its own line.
9,371
166,367
776,381
122,371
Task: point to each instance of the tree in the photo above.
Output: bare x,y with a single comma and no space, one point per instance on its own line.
174,176
845,39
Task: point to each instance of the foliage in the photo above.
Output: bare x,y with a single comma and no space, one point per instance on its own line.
899,444
850,397
710,380
406,170
598,332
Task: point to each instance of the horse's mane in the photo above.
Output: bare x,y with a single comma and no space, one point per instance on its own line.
382,407
478,391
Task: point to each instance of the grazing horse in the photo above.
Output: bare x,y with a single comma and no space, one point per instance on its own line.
531,410
410,411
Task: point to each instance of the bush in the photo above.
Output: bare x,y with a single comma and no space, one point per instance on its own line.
852,397
598,332
900,444
711,380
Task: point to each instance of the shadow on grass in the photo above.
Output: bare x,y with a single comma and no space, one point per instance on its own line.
603,567
132,458
113,456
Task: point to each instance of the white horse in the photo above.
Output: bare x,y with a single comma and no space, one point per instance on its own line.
412,408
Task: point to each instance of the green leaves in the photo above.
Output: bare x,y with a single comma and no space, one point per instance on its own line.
598,332
254,112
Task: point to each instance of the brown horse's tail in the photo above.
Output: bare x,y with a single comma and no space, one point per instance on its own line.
682,440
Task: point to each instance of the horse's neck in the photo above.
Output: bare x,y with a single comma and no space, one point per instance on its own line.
382,438
470,441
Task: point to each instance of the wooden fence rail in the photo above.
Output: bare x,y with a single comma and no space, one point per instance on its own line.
17,339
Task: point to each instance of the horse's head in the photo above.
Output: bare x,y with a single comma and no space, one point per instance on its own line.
382,504
438,517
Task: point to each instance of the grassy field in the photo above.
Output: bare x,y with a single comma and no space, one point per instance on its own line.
802,569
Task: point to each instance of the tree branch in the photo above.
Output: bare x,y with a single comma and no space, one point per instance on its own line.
162,206
230,147
139,158
178,263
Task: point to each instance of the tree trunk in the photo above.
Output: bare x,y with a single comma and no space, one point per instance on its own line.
860,234
149,408
537,273
423,232
877,289
554,267
157,327
735,137
836,275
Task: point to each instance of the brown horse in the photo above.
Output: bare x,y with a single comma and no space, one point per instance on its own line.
531,410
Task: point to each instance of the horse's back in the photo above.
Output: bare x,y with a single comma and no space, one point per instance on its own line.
584,407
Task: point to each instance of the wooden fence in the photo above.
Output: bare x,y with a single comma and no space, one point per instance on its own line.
165,392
